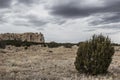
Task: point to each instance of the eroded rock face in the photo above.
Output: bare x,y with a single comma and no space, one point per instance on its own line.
30,37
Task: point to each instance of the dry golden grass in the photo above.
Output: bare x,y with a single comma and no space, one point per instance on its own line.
42,63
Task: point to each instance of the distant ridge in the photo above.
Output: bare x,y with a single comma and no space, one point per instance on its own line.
29,37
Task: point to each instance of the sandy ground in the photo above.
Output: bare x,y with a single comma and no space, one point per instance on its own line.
42,63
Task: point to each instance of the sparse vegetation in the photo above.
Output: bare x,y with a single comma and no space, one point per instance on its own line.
55,44
37,63
52,44
18,43
47,63
2,45
25,47
115,44
94,56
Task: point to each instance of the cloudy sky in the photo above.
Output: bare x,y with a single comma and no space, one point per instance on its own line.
62,20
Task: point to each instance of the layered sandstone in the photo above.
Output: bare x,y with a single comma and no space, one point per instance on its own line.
30,37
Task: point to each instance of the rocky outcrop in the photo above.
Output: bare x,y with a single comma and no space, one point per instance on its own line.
29,37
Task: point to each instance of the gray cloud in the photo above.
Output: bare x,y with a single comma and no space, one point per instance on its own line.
30,21
70,11
105,19
30,2
64,18
109,12
21,23
73,8
56,20
113,33
26,1
89,30
5,3
36,21
3,18
114,27
108,27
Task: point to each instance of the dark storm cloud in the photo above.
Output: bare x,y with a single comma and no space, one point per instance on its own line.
30,2
109,13
72,9
5,3
26,1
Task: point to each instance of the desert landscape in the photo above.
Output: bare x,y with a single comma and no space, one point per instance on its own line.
43,63
59,39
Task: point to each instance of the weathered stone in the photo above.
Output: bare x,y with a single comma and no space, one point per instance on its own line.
30,37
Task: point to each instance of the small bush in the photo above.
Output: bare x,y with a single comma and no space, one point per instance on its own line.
68,45
2,45
94,56
18,43
25,47
53,45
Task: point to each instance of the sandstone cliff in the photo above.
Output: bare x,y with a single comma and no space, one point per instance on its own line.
30,37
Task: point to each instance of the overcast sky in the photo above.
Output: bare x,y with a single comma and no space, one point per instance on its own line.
62,20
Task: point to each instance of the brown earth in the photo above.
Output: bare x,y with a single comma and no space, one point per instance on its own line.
42,63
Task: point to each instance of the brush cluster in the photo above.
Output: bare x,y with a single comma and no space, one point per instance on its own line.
94,56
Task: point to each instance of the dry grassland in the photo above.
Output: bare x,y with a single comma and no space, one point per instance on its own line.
42,63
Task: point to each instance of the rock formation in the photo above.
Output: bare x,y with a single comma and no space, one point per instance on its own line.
30,37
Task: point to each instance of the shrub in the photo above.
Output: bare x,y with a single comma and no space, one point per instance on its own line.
25,47
2,45
94,56
18,43
68,45
53,45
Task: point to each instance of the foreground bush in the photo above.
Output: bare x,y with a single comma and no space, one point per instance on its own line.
94,56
